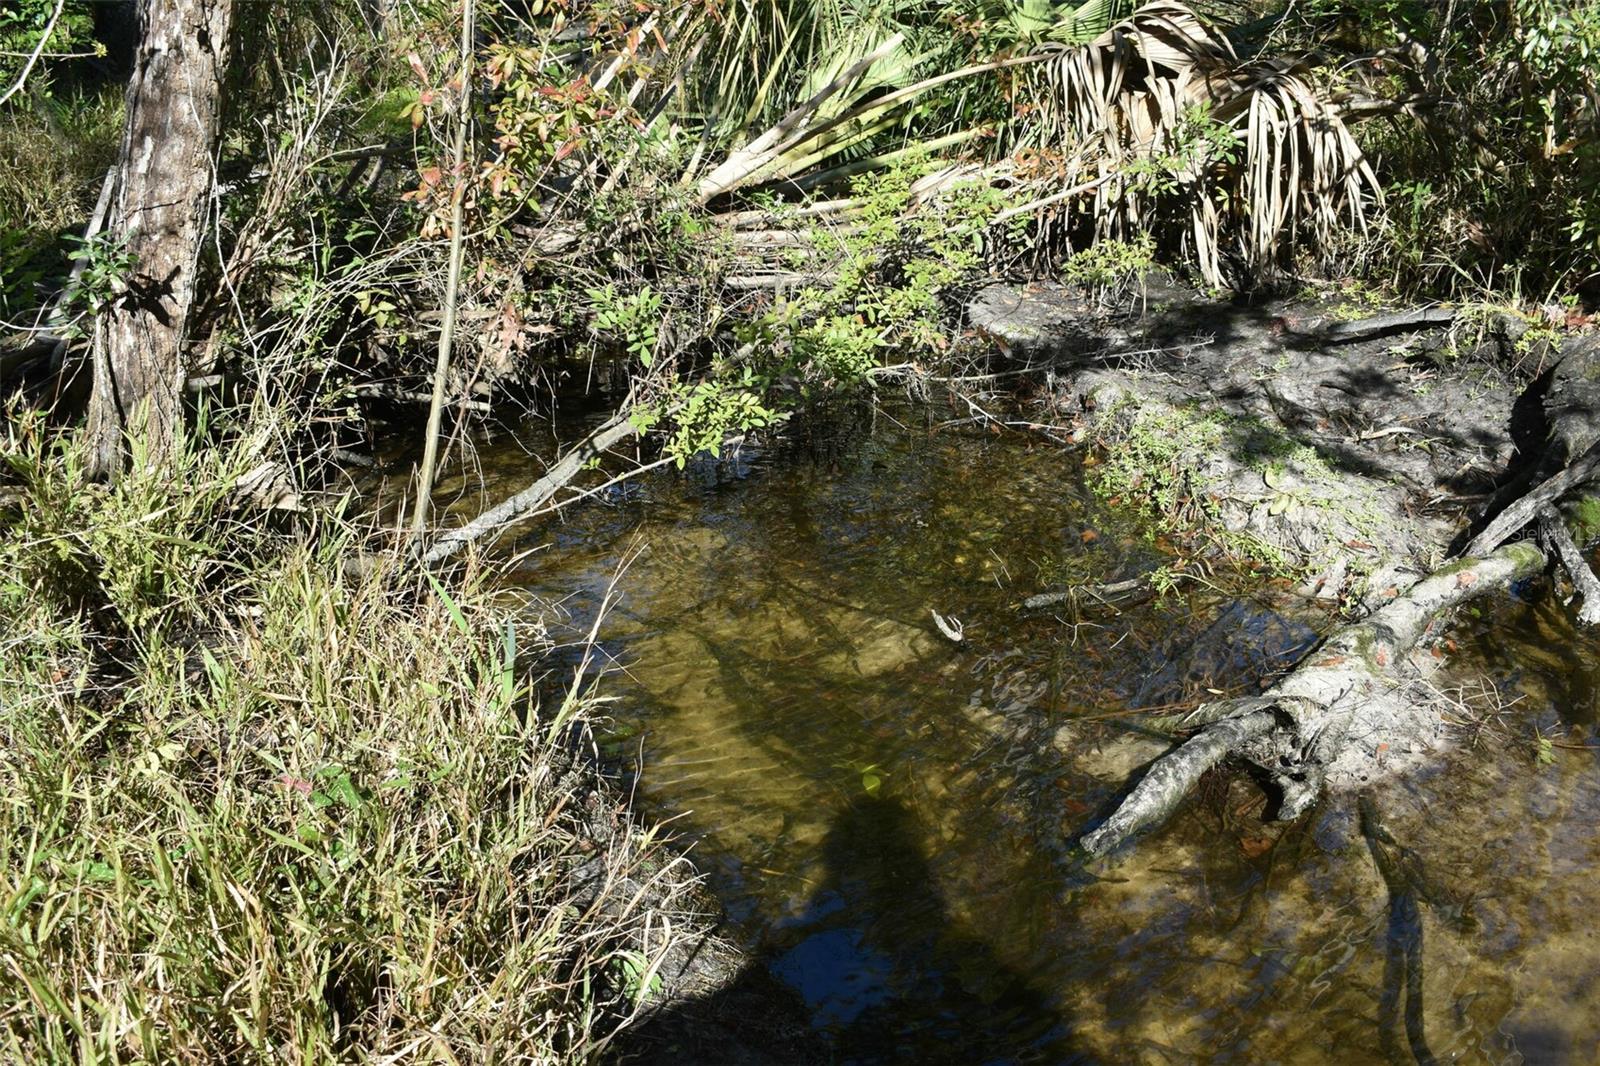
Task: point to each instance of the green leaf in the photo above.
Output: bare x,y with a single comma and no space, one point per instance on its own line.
450,605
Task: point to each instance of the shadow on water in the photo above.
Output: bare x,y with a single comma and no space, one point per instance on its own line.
886,818
1403,961
883,973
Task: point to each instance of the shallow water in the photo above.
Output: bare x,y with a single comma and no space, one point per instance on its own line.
887,816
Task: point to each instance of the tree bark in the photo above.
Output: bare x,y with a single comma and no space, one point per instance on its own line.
165,175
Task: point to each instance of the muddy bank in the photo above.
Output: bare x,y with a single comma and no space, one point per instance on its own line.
1355,455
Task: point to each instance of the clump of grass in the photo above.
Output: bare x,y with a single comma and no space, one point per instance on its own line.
255,806
54,153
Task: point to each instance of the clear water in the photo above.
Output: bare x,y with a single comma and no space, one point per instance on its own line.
887,816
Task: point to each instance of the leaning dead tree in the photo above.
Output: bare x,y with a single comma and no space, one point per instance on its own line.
164,181
1298,732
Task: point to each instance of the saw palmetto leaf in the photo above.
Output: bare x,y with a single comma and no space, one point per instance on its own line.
1235,158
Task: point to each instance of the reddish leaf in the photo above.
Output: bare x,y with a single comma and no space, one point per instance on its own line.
1255,847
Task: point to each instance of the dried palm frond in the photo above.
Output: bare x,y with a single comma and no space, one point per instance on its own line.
854,77
1171,131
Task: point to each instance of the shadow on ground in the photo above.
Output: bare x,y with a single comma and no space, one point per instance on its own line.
877,971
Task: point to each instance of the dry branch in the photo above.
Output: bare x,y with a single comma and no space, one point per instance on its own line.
1172,777
1508,522
1384,325
447,328
534,496
1554,532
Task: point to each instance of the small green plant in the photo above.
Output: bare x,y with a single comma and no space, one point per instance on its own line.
1165,580
107,266
1110,268
706,413
633,319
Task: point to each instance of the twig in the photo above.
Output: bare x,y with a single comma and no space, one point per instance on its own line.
395,392
586,493
44,39
1104,594
951,628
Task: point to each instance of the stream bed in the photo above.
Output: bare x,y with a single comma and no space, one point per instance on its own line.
886,816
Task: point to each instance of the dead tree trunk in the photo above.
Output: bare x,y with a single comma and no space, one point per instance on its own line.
1298,728
165,174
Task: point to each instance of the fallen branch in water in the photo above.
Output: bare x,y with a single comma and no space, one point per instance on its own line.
608,436
1110,594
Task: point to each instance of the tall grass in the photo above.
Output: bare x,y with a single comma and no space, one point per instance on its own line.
258,805
53,156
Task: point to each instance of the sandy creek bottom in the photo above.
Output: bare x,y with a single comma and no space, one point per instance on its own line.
886,816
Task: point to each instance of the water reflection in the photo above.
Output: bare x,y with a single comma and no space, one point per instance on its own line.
886,816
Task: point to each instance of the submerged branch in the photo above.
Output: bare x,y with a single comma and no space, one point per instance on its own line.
534,496
1107,595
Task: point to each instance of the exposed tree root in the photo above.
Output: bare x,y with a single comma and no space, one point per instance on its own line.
1296,731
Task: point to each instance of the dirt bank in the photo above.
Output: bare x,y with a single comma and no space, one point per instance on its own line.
1362,453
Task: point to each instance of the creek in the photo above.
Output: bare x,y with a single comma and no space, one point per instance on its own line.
887,817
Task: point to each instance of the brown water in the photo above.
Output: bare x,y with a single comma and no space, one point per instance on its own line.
887,817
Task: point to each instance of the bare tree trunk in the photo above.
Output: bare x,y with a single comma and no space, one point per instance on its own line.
165,174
